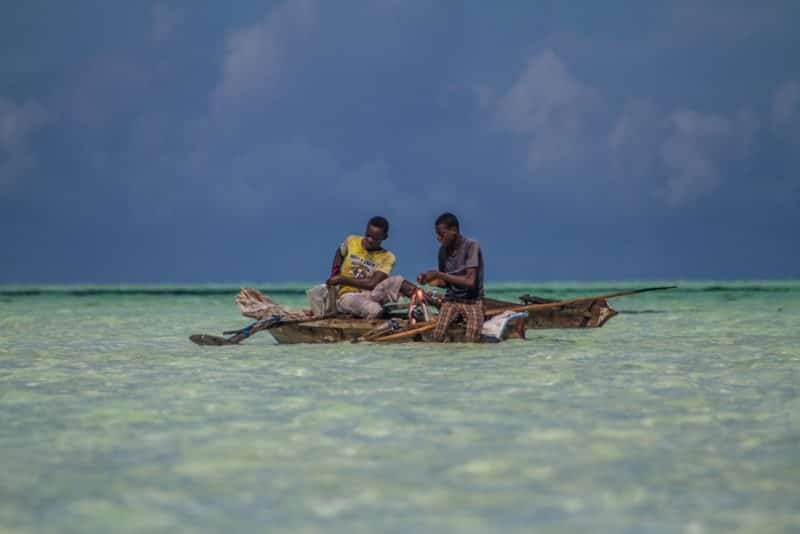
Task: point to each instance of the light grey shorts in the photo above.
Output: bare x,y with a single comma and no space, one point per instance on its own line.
369,304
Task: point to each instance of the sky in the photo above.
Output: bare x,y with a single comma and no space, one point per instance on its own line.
182,141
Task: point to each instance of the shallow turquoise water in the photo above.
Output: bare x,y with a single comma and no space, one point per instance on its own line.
682,414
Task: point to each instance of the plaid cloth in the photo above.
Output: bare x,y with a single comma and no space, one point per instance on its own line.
470,310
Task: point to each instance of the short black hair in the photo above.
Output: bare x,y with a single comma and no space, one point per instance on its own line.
447,219
380,222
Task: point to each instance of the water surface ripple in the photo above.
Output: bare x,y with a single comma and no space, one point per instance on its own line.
682,414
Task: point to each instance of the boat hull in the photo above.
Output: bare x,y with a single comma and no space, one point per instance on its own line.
590,314
343,329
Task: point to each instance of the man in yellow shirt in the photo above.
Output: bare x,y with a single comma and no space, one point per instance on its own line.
361,269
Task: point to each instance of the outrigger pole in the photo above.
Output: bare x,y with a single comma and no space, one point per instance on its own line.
424,327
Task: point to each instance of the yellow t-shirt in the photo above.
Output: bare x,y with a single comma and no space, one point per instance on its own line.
362,263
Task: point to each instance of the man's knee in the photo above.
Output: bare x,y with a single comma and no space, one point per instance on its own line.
342,305
388,290
360,305
394,280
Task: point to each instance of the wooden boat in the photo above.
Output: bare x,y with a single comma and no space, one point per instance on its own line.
335,330
584,314
299,326
587,313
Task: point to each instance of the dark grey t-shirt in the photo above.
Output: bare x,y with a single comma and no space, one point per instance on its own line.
467,254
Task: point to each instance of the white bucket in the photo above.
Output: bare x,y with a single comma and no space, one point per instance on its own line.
322,300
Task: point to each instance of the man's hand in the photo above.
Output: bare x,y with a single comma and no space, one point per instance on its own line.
432,298
428,277
334,280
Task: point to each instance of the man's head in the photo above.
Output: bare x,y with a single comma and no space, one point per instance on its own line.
447,229
377,231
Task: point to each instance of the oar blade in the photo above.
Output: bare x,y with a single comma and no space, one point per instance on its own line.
208,340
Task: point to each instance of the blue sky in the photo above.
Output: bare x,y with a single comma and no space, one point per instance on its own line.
178,141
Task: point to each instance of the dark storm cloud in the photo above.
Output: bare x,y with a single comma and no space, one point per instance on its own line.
191,142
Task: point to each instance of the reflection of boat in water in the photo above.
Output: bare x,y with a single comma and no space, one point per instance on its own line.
299,326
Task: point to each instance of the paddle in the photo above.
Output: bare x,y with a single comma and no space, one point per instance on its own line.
423,327
417,329
243,333
388,327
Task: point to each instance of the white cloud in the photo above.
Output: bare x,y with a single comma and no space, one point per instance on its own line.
552,109
688,156
675,156
701,148
255,55
680,155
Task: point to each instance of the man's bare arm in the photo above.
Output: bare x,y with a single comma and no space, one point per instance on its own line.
361,283
468,280
336,266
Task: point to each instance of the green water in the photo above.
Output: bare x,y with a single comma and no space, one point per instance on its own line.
682,414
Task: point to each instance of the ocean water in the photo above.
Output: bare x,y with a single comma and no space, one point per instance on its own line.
682,414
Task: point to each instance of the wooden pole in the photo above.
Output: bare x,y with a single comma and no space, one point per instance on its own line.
561,303
418,329
424,327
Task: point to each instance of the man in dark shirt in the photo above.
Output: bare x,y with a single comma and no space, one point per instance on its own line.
461,272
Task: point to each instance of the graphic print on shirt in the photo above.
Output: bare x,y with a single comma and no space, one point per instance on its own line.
360,263
361,267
